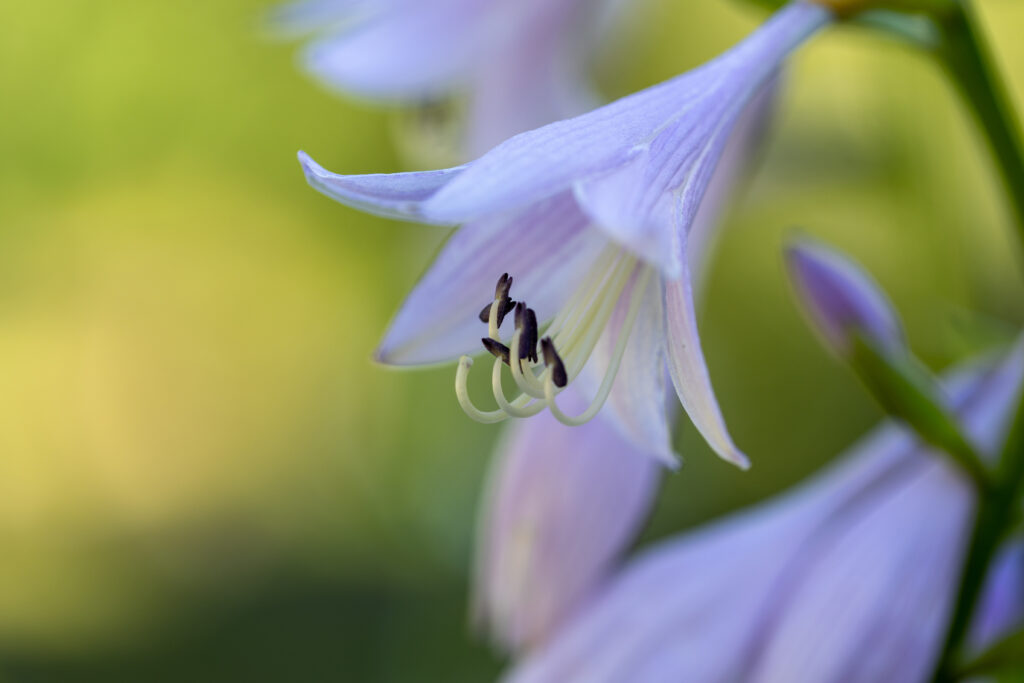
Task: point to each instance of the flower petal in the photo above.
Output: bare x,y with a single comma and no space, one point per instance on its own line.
545,249
392,195
733,170
1001,607
689,371
547,160
637,406
861,596
838,563
418,50
648,231
532,80
678,128
562,504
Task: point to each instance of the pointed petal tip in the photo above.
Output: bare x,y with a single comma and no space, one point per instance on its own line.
672,461
739,459
390,357
387,353
732,455
310,168
406,356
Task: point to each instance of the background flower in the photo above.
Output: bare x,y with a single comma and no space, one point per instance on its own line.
519,64
849,578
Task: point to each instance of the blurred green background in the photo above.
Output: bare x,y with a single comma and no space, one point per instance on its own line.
202,475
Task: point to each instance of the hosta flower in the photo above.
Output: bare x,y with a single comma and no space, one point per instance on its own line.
520,62
589,218
564,503
849,579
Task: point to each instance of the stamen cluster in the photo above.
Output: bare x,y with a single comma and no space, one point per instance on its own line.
539,370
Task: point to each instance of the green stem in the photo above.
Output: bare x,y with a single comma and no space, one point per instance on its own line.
965,56
996,514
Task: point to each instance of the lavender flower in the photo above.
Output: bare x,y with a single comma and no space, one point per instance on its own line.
841,299
849,578
520,63
590,216
564,503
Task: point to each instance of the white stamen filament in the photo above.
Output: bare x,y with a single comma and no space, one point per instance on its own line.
521,410
492,319
639,288
575,332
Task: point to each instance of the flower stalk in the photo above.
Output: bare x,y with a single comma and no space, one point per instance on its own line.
906,390
996,514
965,56
963,53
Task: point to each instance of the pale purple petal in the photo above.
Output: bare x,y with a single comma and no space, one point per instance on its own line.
875,595
546,249
418,50
1001,608
637,406
848,579
841,299
562,505
649,231
662,141
392,195
687,607
870,608
533,80
733,169
689,371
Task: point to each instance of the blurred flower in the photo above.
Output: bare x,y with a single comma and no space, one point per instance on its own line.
1002,603
520,63
841,299
849,578
564,503
635,170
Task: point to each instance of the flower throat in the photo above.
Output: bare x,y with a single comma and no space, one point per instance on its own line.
543,366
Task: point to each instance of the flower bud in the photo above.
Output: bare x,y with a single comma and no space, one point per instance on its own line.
842,300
